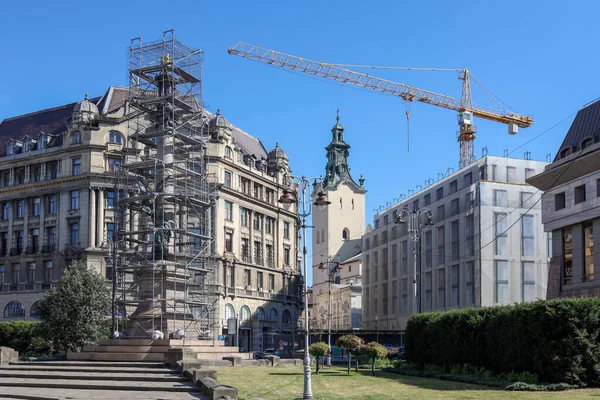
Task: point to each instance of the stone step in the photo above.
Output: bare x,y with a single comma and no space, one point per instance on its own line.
92,364
105,385
126,349
116,357
162,342
81,394
107,369
114,375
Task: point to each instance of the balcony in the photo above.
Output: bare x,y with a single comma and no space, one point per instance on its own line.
31,249
258,260
15,251
48,248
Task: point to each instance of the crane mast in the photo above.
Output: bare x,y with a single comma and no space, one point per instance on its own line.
464,107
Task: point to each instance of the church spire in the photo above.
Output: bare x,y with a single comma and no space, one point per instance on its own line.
337,169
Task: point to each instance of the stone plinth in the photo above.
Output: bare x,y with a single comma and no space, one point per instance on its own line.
8,355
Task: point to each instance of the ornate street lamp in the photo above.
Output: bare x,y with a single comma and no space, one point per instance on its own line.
304,210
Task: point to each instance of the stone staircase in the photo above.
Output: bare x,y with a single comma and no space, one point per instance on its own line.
94,380
153,350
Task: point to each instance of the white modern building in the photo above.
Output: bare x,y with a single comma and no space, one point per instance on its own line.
486,245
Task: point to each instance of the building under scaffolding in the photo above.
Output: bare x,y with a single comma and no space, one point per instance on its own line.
163,252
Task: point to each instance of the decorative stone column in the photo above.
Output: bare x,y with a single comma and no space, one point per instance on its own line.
100,207
92,195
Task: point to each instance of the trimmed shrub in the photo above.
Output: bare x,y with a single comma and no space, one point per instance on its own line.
557,340
374,351
317,350
26,337
352,344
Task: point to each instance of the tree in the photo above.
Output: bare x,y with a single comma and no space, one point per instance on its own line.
373,350
351,343
319,349
73,315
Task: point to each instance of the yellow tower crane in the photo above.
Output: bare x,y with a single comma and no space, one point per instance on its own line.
464,107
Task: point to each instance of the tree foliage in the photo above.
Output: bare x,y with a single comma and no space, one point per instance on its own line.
72,316
557,340
351,343
373,350
318,349
26,337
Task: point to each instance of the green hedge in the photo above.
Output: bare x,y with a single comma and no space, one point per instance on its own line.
25,337
557,339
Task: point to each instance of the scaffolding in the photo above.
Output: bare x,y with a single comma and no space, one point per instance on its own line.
163,253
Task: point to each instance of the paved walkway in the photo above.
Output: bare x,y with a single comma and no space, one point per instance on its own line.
89,380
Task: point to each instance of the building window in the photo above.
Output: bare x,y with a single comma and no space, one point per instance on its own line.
469,292
441,245
16,270
529,281
20,175
114,137
597,187
228,153
74,195
439,194
501,233
76,166
567,256
258,190
245,183
47,271
74,233
110,199
258,253
229,242
528,240
454,207
52,204
2,275
469,234
270,257
286,230
36,207
272,282
455,239
230,276
395,297
428,249
227,180
244,314
500,198
245,249
502,296
529,173
259,280
31,273
588,253
5,210
110,232
228,210
453,186
243,217
526,200
559,201
14,309
114,165
468,179
579,194
441,300
404,295
256,219
36,171
455,292
51,237
247,278
404,262
270,224
35,240
77,137
428,284
20,208
52,170
441,215
511,174
286,256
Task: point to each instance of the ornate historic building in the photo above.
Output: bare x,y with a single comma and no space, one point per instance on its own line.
337,233
58,202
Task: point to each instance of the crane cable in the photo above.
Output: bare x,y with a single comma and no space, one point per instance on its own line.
407,102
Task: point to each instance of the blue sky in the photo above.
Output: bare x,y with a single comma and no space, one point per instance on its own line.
540,57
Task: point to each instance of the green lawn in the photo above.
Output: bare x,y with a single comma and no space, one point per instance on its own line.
286,383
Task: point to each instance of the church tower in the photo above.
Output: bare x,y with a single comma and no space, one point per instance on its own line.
339,227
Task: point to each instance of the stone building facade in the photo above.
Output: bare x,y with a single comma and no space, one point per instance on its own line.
57,196
486,245
571,208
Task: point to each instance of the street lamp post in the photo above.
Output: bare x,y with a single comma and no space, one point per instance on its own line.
304,210
414,232
331,268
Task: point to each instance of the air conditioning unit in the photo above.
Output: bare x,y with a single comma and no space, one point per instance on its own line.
260,289
248,287
271,291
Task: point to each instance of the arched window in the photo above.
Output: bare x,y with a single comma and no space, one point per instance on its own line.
345,234
14,309
114,137
586,142
229,311
565,152
287,317
34,311
228,153
260,314
245,313
273,315
77,137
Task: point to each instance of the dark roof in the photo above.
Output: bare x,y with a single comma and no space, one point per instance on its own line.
349,249
248,143
112,100
52,121
585,125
